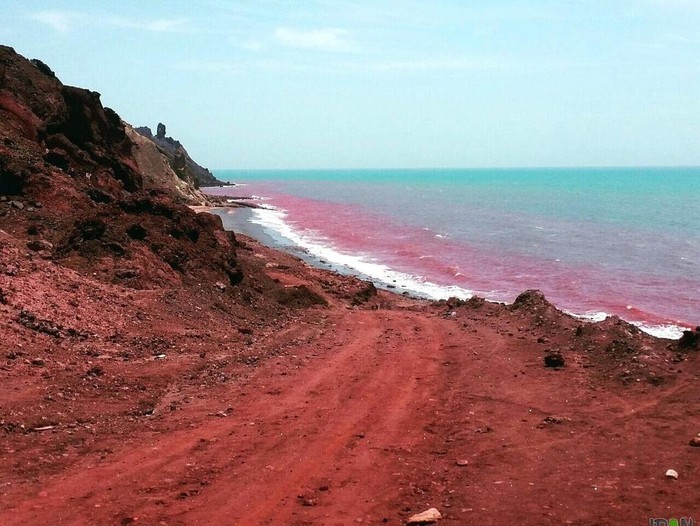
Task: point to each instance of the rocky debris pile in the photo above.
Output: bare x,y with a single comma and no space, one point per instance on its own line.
612,348
533,305
180,161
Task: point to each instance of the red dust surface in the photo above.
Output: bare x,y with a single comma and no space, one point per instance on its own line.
181,406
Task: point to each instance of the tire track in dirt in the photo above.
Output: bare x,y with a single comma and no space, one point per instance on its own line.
329,424
364,394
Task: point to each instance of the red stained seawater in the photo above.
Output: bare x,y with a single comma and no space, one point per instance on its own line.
436,258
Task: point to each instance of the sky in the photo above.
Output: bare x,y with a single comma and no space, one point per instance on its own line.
386,84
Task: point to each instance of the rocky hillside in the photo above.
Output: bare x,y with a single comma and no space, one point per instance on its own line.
158,172
180,161
86,192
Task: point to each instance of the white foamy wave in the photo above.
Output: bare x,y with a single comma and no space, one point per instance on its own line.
317,246
274,219
592,316
668,331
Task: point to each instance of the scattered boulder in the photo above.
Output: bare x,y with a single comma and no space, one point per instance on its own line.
30,321
39,245
99,196
306,501
453,302
530,298
672,474
475,302
690,339
695,441
427,517
91,229
126,273
299,296
95,371
554,359
365,294
137,231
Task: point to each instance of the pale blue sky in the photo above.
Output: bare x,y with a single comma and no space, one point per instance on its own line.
359,84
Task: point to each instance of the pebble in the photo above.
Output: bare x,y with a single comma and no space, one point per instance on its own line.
462,462
426,517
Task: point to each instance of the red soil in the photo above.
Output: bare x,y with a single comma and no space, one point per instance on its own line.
334,414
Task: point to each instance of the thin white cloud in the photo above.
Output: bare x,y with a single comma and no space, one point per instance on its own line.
326,39
211,66
64,21
162,25
439,64
399,67
61,21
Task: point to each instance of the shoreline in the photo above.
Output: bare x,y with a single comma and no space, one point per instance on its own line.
304,396
278,235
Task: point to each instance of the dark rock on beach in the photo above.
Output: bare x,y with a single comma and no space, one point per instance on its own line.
554,360
690,340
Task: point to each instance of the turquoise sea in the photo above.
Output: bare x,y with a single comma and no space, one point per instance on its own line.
596,241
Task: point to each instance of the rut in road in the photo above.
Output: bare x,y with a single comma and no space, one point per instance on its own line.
335,423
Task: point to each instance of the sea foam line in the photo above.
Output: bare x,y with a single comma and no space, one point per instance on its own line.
667,331
274,219
314,244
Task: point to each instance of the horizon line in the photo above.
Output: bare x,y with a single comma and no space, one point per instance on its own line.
420,168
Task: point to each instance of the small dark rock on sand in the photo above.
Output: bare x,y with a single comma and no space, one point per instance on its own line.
554,359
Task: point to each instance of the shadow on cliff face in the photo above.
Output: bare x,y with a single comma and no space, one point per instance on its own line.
68,164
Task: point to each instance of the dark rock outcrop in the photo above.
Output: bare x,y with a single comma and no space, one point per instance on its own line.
180,161
63,126
60,147
690,339
159,171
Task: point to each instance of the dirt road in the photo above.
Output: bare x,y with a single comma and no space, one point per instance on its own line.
365,423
